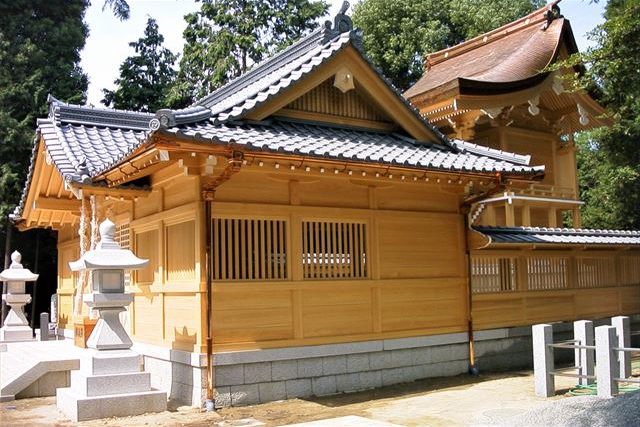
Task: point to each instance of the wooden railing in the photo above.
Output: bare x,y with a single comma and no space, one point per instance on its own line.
553,270
549,191
522,288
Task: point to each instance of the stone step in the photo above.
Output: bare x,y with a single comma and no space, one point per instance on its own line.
80,408
110,362
101,385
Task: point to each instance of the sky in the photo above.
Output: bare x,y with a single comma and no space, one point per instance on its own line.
108,43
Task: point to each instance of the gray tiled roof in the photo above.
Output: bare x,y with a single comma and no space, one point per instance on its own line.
341,143
564,236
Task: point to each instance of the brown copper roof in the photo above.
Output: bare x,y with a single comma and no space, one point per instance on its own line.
508,58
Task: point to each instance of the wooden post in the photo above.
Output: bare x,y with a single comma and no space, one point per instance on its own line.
553,217
526,216
510,217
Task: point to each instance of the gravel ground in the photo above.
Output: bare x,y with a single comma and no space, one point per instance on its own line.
582,411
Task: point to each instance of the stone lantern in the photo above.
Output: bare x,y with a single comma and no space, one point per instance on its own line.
16,327
107,263
110,381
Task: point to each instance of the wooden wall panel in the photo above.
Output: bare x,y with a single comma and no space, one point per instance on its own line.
148,317
181,191
180,251
249,187
629,299
336,311
182,323
433,304
415,247
416,197
252,316
334,193
595,303
148,205
147,248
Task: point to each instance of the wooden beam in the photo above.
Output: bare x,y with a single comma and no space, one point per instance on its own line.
53,204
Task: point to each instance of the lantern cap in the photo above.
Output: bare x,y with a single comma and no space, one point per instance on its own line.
108,255
17,273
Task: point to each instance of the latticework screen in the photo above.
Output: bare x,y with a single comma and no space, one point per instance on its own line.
334,250
249,249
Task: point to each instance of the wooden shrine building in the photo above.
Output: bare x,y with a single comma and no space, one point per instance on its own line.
312,232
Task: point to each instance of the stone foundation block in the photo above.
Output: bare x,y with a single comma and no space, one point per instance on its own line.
309,368
323,386
284,370
348,382
257,373
110,362
370,379
334,365
298,388
357,363
270,392
229,375
80,408
242,395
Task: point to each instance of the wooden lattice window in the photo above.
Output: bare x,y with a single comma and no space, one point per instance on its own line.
334,250
547,273
630,269
249,249
493,274
122,238
595,271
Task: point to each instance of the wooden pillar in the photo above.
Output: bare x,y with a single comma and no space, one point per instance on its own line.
553,217
510,216
489,215
526,216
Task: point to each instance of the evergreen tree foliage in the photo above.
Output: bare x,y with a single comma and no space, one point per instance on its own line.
145,77
120,8
398,34
226,37
40,44
609,160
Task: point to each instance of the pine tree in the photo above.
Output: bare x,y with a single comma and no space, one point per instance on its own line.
145,77
225,37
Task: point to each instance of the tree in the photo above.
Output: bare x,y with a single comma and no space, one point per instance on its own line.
40,44
398,34
120,8
225,37
609,165
145,77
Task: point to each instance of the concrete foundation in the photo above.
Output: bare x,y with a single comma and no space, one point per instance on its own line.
249,377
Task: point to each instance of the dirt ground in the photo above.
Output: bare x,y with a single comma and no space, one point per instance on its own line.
454,401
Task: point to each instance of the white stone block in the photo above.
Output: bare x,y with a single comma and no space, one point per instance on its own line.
110,362
606,361
80,408
623,333
101,385
543,362
584,358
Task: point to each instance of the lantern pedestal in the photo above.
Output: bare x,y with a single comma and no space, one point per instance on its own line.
16,327
109,384
109,334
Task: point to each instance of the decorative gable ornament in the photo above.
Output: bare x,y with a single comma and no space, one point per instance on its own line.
16,327
107,263
344,80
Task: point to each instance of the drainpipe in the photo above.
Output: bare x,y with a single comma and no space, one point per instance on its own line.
208,196
234,163
466,211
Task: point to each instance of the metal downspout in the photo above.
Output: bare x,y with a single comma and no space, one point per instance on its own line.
234,163
208,196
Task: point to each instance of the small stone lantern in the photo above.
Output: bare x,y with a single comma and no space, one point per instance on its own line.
110,381
16,327
106,264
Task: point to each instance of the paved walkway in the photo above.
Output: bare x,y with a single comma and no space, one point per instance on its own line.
25,362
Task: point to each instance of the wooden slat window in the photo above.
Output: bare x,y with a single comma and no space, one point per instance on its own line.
547,273
249,249
122,237
596,272
630,270
334,250
493,274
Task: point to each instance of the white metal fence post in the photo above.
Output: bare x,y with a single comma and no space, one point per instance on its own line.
584,358
623,332
606,361
543,360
